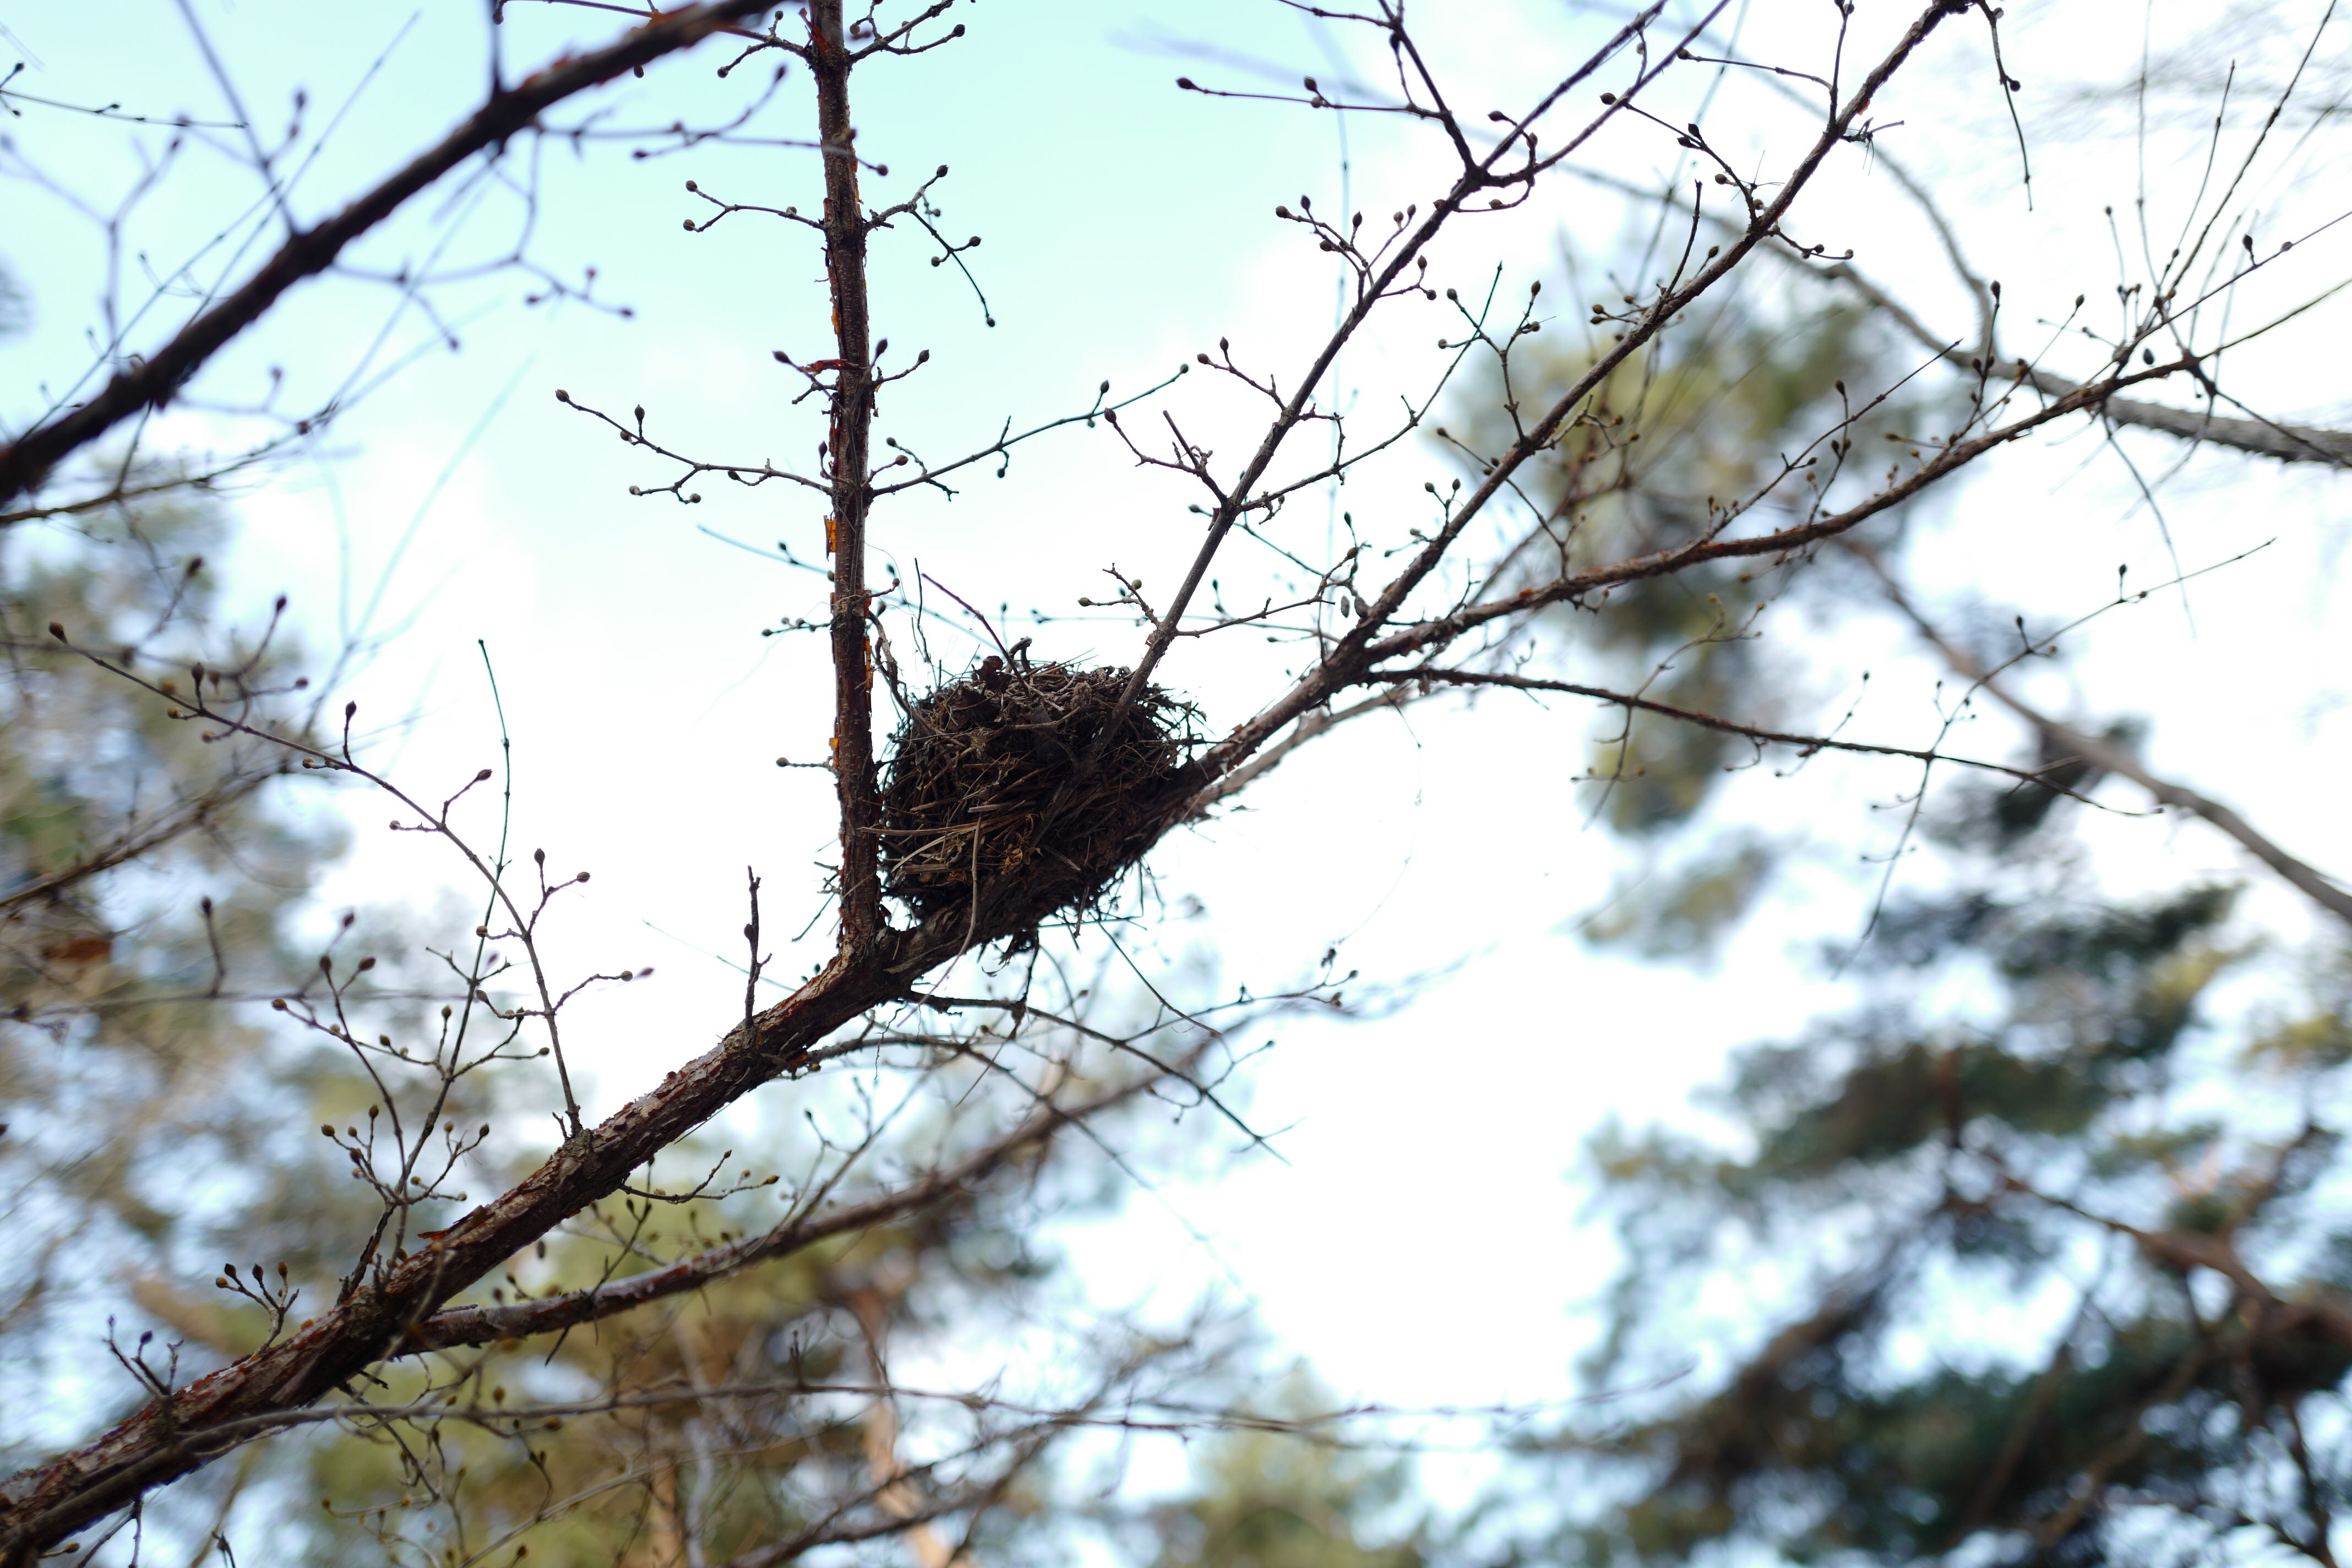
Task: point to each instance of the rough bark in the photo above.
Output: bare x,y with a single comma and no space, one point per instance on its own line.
849,447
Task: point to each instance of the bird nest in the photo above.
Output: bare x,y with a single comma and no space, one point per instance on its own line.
988,801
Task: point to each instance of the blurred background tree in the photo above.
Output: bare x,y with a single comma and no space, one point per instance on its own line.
2054,1273
149,877
2037,1254
1289,1498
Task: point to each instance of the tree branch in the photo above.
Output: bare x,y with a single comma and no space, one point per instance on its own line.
1806,744
1356,652
853,492
2261,437
482,1324
154,380
2320,888
40,1507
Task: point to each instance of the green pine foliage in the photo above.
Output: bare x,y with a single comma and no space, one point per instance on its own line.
2037,1293
1282,1498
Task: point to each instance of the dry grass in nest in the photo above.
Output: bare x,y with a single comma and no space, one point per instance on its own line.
983,783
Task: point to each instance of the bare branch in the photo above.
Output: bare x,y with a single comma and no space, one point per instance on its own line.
479,1324
156,379
2319,888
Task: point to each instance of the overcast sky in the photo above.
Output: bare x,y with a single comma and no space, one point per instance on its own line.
1127,224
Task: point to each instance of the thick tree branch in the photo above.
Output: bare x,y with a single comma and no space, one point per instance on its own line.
40,1507
853,492
154,380
2260,437
2186,1250
484,1324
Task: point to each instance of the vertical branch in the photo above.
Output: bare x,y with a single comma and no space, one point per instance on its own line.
752,976
853,416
